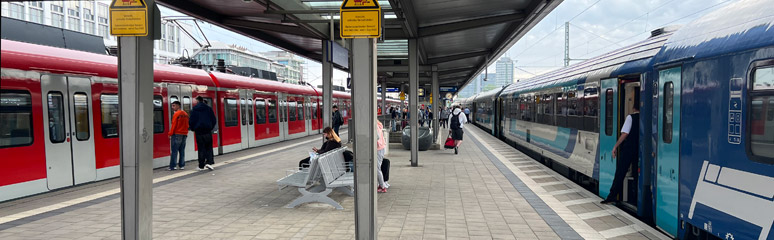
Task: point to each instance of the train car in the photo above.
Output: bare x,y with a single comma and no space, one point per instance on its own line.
713,92
706,94
484,107
77,93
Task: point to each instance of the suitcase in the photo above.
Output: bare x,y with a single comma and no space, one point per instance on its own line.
386,169
449,143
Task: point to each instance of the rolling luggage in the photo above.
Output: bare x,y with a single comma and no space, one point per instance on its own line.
386,169
449,143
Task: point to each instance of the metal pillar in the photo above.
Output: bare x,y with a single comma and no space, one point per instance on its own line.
135,99
327,76
352,121
413,100
364,94
436,104
385,118
566,44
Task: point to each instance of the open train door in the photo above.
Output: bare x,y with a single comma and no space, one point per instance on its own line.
668,153
68,134
608,133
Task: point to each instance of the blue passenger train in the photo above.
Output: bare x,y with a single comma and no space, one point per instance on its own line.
706,97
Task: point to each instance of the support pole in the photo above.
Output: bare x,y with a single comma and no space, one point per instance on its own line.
327,76
413,100
135,99
436,104
385,117
364,94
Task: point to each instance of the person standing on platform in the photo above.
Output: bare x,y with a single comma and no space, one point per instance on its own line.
394,123
381,145
467,112
456,120
178,133
337,120
202,122
630,144
444,115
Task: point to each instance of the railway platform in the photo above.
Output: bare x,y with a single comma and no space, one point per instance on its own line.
488,191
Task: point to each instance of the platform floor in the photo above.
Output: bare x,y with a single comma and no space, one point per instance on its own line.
488,191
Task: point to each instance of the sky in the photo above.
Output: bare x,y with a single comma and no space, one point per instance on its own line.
596,27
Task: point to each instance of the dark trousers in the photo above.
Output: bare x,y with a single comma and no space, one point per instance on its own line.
304,163
336,130
622,167
204,143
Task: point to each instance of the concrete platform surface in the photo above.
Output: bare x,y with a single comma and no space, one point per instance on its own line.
488,191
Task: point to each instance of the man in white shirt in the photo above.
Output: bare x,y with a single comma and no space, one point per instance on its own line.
456,120
629,143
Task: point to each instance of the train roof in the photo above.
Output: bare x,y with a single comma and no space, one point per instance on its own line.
736,27
489,95
629,59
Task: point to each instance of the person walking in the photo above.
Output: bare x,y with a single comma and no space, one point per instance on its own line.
444,116
630,144
394,123
178,133
456,120
202,121
381,145
337,120
467,112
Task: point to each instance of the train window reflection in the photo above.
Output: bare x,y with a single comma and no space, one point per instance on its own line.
764,79
109,115
761,134
243,111
250,111
668,110
81,109
272,111
260,111
291,111
56,117
609,112
230,113
15,118
158,114
187,105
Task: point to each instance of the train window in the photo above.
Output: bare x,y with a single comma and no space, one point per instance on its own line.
668,110
761,133
250,111
230,112
314,110
609,112
109,115
81,109
15,118
187,105
172,100
56,117
291,111
260,111
561,109
243,111
300,110
272,111
590,103
158,114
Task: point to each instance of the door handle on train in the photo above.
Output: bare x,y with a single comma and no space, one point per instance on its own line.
672,174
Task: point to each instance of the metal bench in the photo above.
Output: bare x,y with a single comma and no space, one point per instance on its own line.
306,179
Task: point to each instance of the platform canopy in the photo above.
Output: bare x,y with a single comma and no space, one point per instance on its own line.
460,37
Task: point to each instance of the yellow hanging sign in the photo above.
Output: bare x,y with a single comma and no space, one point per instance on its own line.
360,19
128,18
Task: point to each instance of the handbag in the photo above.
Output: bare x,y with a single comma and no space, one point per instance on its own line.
449,143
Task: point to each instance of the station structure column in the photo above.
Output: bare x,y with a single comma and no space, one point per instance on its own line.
364,94
327,79
135,86
385,117
413,100
435,103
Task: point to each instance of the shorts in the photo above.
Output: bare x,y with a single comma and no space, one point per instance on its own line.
457,134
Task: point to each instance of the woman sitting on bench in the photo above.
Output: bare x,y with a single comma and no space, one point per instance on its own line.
332,141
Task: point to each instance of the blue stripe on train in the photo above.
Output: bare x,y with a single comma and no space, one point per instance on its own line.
563,145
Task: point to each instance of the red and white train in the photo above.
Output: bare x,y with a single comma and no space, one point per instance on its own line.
59,115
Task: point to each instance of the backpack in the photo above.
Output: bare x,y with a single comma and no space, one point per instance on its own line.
455,121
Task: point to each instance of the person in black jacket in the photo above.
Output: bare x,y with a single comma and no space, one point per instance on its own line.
630,146
332,141
202,121
337,120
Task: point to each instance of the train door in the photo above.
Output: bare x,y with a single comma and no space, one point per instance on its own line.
69,144
308,115
668,150
631,93
246,109
608,122
182,93
283,116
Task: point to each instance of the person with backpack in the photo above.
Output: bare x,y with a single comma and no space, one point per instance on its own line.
337,119
202,121
456,120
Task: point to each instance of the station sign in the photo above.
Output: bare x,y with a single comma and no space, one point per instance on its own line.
389,89
129,18
447,89
421,92
360,19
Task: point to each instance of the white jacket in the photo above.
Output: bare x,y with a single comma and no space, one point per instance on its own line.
463,118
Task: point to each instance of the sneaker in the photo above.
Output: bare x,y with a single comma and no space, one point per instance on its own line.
199,169
182,168
209,167
455,150
170,169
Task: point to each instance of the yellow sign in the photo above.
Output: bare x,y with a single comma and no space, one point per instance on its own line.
360,19
128,18
402,96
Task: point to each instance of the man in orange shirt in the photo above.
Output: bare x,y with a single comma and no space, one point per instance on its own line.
178,132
